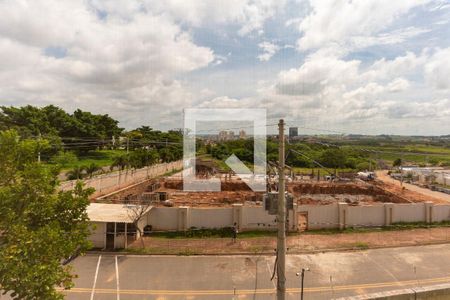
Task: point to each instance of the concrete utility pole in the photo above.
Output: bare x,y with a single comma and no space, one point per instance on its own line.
281,241
39,148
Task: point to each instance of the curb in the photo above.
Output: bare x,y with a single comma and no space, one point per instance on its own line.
265,253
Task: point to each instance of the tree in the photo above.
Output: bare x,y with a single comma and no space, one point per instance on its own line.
91,169
40,227
81,131
168,144
363,166
76,173
136,213
333,158
397,162
63,159
122,162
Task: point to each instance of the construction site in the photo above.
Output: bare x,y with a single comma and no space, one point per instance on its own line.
169,192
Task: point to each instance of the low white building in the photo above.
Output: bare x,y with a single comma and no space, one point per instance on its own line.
114,224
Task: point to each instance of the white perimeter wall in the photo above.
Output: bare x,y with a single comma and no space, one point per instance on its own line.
211,217
321,216
414,212
257,218
441,213
163,218
108,183
366,215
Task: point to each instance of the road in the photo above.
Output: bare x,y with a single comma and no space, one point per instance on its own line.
383,176
120,277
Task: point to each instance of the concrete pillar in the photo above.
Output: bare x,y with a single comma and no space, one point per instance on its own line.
237,215
115,235
294,218
183,218
429,207
388,213
343,215
126,236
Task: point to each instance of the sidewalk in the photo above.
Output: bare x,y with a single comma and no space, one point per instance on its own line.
301,243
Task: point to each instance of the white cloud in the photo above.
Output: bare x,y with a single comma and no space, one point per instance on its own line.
318,72
399,66
338,21
437,70
334,90
249,14
134,59
111,65
386,38
269,50
398,85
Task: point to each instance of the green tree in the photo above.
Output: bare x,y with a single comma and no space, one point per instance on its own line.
64,159
80,131
333,158
40,227
76,173
122,162
141,158
91,169
363,166
397,162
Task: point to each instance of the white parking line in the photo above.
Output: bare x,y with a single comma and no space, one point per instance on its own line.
95,277
117,279
270,274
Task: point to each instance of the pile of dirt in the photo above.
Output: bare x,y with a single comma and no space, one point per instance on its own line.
376,193
225,185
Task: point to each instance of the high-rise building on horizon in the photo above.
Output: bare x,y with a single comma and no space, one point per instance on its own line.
293,132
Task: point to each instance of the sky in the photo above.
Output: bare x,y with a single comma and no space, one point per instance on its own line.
351,66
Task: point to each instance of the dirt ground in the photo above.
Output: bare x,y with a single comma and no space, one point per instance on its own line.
305,192
231,192
299,243
410,190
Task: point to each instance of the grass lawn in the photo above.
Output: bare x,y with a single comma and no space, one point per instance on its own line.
421,154
101,158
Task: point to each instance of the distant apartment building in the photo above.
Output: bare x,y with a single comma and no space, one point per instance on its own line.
242,135
226,135
293,132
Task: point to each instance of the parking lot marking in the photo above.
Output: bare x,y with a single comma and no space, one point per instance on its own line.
95,277
270,274
117,279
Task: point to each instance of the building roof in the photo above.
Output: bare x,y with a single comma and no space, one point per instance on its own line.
119,213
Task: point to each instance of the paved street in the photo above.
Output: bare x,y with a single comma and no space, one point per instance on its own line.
248,277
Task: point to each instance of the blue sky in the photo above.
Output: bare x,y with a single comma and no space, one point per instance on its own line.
361,66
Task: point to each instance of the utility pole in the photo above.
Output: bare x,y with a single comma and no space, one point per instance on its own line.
39,148
401,171
128,144
281,241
